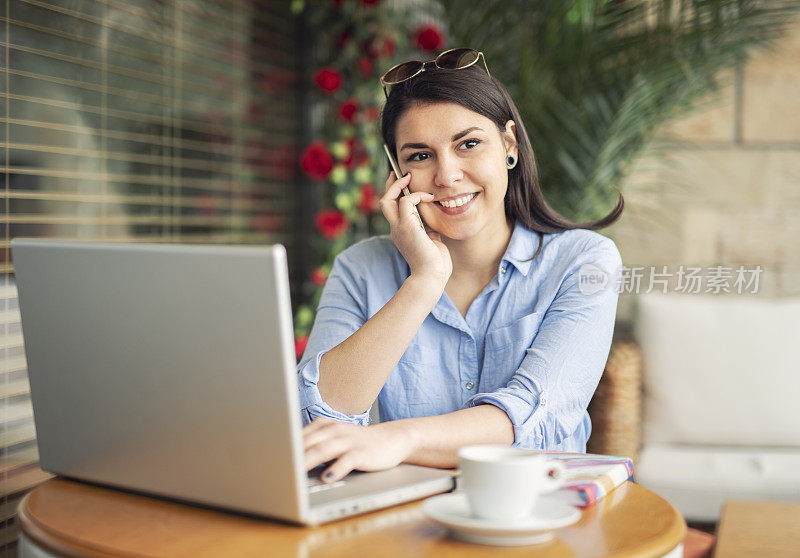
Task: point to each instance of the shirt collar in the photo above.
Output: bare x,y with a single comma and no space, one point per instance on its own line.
522,246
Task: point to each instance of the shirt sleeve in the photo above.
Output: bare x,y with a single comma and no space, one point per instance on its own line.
547,397
341,311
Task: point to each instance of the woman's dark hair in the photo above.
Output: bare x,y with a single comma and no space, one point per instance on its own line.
473,89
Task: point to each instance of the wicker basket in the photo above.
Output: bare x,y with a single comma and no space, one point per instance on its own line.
616,408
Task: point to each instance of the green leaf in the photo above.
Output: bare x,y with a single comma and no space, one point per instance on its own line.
297,6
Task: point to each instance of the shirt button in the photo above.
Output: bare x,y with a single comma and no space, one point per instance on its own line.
503,269
470,385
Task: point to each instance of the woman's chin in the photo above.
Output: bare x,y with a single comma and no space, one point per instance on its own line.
455,231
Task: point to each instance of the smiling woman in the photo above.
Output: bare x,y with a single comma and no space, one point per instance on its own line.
475,330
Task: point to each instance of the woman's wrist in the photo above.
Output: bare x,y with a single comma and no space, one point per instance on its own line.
406,435
428,285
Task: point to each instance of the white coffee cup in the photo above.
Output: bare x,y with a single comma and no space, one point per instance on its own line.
504,483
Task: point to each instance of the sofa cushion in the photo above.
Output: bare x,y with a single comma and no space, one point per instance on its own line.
720,369
699,480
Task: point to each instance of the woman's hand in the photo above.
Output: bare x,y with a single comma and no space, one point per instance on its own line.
367,448
424,250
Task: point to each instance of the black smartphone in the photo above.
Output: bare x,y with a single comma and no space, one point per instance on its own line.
397,173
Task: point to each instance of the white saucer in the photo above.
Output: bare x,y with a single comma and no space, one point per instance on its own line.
452,510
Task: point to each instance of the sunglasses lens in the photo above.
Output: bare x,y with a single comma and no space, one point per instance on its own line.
402,72
457,58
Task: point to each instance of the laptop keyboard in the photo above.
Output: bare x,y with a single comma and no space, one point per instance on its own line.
315,484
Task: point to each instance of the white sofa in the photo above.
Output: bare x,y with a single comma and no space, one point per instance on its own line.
721,390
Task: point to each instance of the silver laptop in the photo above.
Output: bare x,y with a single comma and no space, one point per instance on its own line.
170,370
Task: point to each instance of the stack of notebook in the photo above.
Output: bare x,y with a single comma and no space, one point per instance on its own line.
590,476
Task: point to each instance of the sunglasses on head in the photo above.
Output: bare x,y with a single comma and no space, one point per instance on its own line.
453,59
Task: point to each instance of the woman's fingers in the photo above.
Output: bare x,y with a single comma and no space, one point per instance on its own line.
389,180
316,424
326,450
321,434
388,202
407,204
333,443
416,198
395,205
393,184
340,468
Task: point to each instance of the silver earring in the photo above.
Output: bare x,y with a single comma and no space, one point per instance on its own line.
511,162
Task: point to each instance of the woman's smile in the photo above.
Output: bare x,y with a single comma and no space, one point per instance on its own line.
456,206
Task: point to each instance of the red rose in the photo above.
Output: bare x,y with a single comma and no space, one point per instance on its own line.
300,343
331,223
429,37
368,202
387,50
375,48
347,110
316,161
365,65
371,113
356,154
342,40
318,277
369,2
370,48
328,80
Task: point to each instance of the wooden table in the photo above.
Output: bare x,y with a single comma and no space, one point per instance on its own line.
758,529
75,519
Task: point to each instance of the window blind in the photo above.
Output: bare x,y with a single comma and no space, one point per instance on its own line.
136,121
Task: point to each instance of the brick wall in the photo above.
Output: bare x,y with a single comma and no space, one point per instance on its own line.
725,190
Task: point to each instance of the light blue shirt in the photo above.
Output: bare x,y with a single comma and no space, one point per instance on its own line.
533,343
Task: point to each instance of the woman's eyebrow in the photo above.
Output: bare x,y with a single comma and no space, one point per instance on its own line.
456,137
